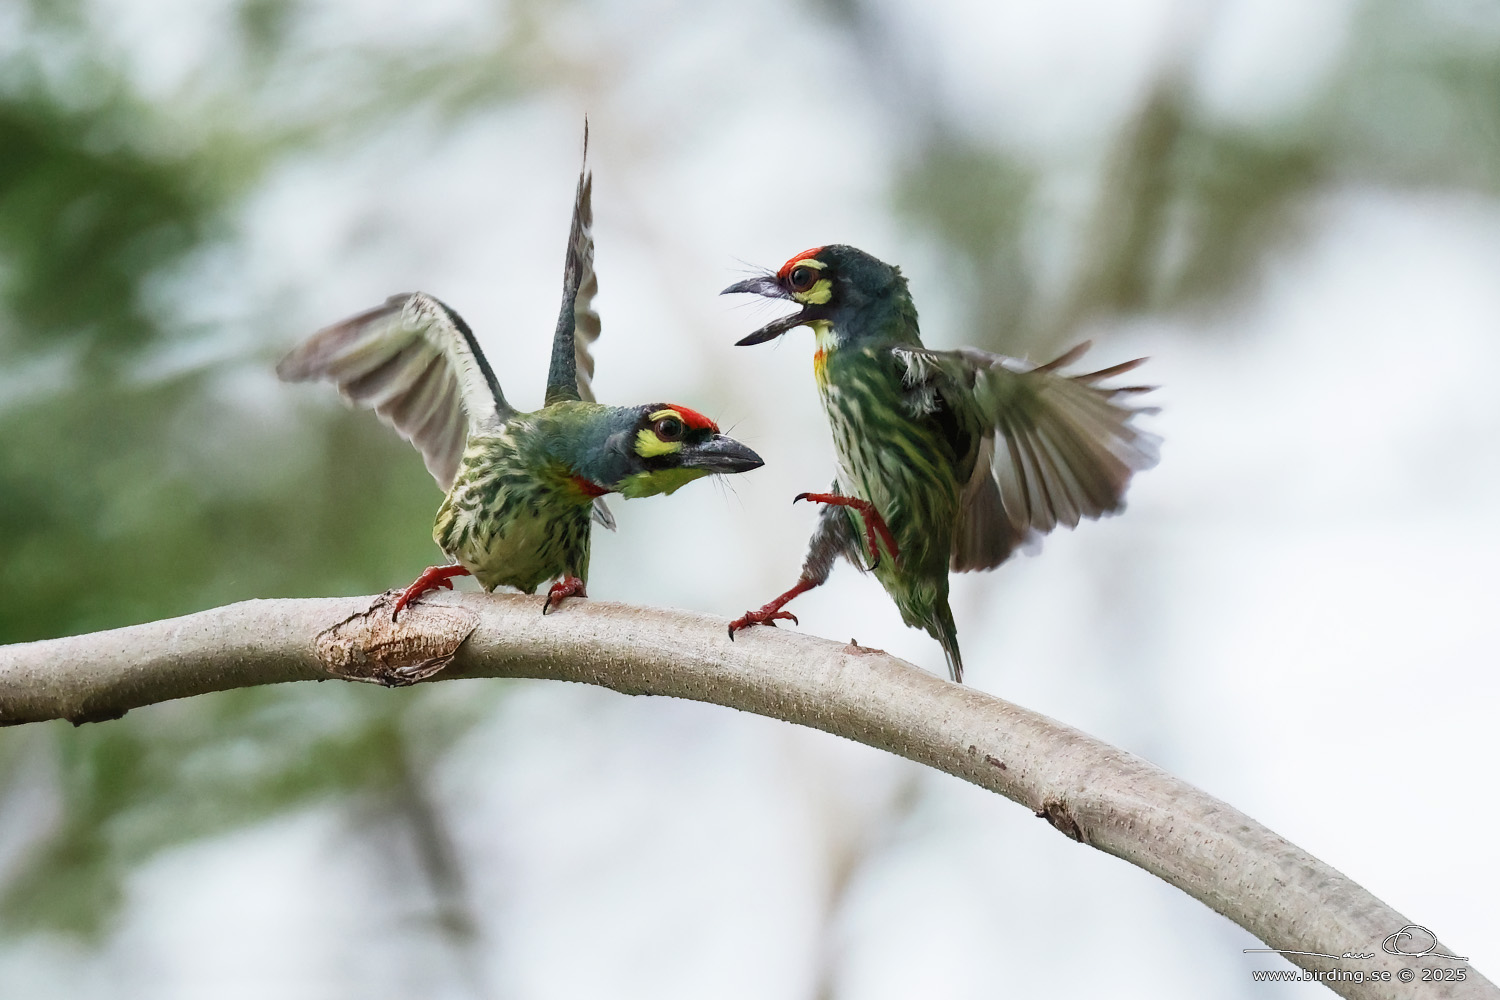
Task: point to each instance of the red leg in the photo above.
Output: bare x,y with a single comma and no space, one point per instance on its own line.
432,578
768,614
874,523
568,586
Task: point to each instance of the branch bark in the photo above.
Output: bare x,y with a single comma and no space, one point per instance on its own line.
1088,790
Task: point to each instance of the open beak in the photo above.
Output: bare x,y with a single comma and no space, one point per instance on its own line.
720,454
768,286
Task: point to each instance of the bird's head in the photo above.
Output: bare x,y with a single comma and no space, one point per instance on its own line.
832,284
661,447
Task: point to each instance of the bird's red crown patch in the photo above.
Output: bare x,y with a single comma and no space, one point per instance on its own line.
787,267
694,420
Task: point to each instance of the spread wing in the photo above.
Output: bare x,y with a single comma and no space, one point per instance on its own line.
571,372
572,368
1056,448
416,363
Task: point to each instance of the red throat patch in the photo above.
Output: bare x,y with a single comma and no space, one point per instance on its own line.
787,267
694,420
588,487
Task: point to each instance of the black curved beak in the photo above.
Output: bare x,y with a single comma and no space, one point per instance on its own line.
774,329
719,454
763,284
768,286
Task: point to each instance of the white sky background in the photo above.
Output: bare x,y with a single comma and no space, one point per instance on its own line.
1296,614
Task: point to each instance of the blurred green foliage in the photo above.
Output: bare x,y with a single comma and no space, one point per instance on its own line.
85,215
127,496
1188,206
129,790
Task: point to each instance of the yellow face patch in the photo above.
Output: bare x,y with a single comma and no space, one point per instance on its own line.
817,295
649,445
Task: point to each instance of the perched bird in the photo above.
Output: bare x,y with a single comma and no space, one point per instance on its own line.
520,486
946,459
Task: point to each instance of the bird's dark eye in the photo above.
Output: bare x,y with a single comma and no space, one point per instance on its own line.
802,278
668,429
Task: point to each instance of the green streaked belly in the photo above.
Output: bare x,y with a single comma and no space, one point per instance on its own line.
899,462
507,527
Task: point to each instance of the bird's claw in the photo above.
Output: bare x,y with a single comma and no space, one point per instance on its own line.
765,616
568,586
432,578
876,530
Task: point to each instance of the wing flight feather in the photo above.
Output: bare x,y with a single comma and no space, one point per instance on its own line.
571,373
1056,448
415,362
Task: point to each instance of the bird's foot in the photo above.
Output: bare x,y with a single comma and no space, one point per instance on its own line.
874,524
568,586
765,616
432,578
769,613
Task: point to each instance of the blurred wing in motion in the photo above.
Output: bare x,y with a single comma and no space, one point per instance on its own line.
1056,448
415,362
572,369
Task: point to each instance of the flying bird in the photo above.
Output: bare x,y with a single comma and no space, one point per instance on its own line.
947,460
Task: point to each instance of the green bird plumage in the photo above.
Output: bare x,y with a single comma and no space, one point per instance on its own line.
521,487
947,460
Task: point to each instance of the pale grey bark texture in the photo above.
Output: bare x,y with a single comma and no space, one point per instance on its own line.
1088,790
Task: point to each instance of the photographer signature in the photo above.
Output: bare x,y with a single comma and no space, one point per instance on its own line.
1411,941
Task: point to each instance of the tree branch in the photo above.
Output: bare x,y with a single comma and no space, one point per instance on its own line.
1088,790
